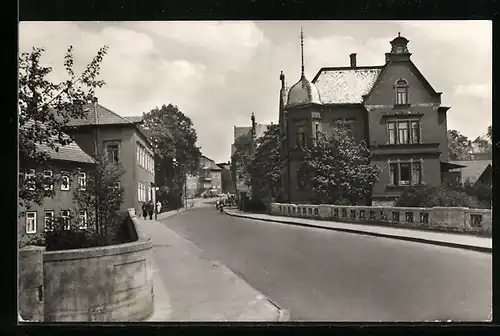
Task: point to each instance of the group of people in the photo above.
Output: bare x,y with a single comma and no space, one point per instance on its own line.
148,208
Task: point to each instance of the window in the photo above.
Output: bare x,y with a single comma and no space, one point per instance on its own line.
113,153
48,220
317,131
64,181
65,219
138,154
401,92
141,150
30,179
405,173
30,222
47,179
403,132
416,177
82,219
301,136
82,180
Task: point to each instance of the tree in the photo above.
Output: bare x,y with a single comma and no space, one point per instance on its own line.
338,169
44,110
241,158
173,137
102,196
459,146
264,168
484,143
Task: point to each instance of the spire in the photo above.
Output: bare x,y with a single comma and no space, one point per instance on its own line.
399,34
302,49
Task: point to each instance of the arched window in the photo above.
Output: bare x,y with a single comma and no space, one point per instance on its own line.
401,92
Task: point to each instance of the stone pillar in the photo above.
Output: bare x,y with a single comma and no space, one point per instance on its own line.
30,282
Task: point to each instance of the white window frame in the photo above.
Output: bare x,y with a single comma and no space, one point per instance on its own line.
31,173
30,221
65,177
50,175
82,180
138,154
48,226
82,217
65,218
397,171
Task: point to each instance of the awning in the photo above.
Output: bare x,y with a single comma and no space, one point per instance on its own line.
446,166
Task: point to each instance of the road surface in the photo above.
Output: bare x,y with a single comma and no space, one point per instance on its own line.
323,275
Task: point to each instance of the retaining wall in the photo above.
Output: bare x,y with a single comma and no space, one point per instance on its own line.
110,283
438,218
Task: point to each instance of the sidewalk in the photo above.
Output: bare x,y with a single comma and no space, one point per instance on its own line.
188,287
437,238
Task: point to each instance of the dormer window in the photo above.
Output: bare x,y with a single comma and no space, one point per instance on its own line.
401,92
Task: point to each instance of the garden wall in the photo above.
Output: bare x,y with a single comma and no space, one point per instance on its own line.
110,283
463,220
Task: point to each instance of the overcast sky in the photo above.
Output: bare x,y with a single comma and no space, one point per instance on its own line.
218,73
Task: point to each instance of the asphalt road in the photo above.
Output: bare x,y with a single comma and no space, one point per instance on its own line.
323,275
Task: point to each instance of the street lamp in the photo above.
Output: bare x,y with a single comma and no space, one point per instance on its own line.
184,175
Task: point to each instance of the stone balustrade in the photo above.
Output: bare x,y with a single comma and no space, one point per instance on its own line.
437,218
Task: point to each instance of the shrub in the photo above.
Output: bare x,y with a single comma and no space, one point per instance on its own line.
431,196
37,239
255,205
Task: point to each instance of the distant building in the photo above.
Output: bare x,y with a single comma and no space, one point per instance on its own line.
125,144
68,158
245,134
228,185
208,181
472,171
391,106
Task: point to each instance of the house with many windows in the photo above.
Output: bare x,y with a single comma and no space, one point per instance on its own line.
63,163
208,180
124,143
391,106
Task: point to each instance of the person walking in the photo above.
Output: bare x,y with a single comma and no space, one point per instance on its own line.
151,208
158,207
144,210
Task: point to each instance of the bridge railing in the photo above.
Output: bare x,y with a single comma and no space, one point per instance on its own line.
438,218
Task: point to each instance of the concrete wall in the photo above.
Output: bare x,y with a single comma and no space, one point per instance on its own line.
461,220
111,283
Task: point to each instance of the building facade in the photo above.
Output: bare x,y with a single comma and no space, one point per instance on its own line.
392,107
228,185
69,159
208,181
124,144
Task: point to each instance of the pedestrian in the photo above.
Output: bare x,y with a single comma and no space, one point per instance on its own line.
151,209
158,207
144,210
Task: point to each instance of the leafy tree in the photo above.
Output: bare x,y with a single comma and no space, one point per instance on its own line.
174,137
338,169
484,143
264,168
102,196
241,158
459,146
44,108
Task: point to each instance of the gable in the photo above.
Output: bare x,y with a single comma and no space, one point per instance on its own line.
394,71
104,117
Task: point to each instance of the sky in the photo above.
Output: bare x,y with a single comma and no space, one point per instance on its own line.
219,72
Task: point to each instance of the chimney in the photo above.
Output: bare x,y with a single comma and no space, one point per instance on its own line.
353,60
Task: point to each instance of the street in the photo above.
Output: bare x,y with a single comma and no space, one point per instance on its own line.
323,275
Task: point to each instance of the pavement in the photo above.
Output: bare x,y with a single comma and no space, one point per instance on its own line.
190,287
328,275
457,240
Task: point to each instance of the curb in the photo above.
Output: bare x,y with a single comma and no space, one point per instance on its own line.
382,235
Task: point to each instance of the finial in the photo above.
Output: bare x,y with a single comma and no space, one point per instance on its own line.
399,34
302,48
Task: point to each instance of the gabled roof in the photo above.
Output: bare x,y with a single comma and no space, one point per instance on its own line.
104,117
473,169
71,152
211,165
134,119
345,85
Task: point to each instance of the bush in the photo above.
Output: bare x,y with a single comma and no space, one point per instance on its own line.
255,205
37,239
424,196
